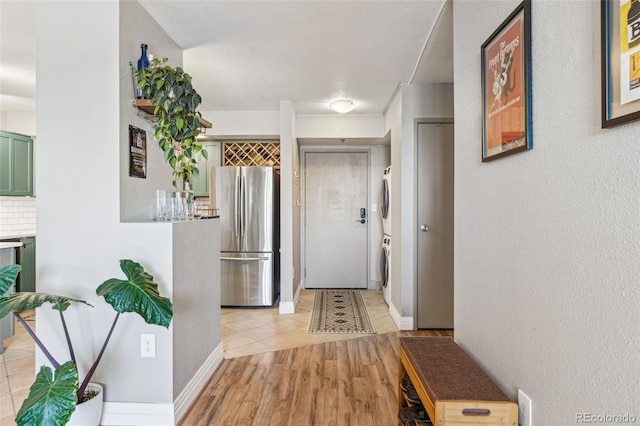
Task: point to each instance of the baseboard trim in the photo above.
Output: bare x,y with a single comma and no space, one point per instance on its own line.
403,323
165,414
286,308
137,414
190,393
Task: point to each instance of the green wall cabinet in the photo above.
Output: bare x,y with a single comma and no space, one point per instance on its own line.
16,164
200,184
27,259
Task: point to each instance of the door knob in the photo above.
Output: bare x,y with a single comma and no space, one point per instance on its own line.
361,220
424,228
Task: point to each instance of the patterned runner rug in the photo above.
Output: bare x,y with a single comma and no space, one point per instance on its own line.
340,311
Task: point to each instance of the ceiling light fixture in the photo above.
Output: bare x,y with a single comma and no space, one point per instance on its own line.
342,106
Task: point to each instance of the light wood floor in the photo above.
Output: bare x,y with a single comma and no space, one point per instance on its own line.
310,380
347,382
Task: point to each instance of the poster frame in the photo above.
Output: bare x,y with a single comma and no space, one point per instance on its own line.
613,112
521,140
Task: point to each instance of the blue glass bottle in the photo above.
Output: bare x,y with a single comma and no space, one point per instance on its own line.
143,63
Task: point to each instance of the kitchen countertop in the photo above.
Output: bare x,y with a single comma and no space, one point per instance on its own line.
14,236
4,245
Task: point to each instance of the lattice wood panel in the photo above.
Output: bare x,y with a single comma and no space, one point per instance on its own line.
251,154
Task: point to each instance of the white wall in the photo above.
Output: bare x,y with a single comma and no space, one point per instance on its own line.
547,242
23,122
241,123
340,126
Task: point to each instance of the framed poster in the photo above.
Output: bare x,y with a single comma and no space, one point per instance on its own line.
620,21
137,152
506,86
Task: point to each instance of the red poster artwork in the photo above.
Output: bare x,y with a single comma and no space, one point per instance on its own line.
504,90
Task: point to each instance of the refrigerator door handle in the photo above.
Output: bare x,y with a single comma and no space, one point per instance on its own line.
244,258
243,205
236,207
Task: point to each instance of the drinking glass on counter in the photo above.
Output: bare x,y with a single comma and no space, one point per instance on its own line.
170,211
161,205
192,210
182,206
174,206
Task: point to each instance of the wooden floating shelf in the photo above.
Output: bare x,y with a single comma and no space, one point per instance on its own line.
149,107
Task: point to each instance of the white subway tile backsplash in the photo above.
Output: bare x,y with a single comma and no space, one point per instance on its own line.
17,216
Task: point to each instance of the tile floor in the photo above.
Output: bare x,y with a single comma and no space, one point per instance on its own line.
250,331
244,332
17,370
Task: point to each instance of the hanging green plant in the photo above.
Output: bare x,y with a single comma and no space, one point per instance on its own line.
176,100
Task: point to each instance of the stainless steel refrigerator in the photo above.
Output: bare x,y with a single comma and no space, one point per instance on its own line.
248,202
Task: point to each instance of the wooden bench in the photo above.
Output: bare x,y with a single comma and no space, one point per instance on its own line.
452,388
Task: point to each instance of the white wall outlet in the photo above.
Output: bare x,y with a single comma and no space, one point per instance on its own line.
148,345
374,208
524,409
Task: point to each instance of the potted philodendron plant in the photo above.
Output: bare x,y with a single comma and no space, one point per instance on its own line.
54,395
178,124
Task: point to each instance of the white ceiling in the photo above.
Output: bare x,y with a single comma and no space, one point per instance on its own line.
249,55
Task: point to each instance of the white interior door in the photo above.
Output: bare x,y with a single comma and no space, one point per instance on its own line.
435,226
336,188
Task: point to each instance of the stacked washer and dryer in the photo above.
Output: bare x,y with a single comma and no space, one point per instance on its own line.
385,253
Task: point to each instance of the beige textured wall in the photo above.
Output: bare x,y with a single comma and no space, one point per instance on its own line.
137,196
547,242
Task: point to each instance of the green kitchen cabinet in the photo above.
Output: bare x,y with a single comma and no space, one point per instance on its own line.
200,184
16,164
27,259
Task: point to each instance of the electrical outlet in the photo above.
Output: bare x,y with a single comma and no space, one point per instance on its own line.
374,208
148,345
524,409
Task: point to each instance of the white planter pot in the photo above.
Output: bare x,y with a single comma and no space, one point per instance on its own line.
89,412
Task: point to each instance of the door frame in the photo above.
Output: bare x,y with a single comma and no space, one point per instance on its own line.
415,224
303,167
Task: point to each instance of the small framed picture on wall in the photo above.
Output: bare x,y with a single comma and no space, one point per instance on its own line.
506,86
137,152
620,22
